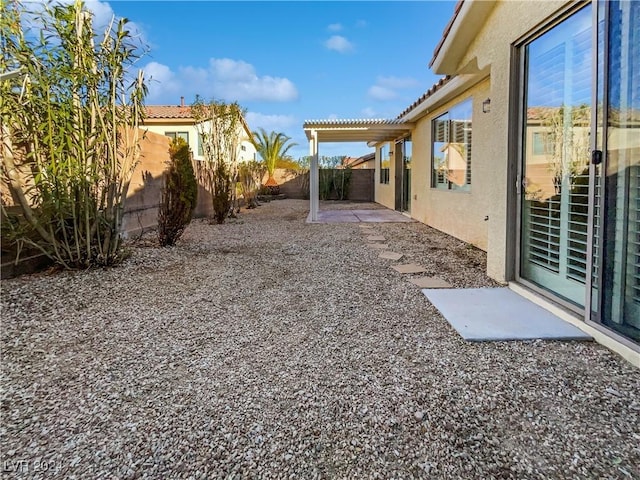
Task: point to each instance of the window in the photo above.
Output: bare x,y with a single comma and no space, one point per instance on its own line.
173,135
542,144
451,149
243,148
385,161
200,145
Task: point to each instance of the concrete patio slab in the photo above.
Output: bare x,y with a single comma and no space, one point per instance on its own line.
409,268
335,216
378,246
390,255
375,238
378,215
382,216
499,314
430,282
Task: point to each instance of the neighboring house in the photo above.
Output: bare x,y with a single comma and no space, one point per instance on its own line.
499,153
363,162
177,121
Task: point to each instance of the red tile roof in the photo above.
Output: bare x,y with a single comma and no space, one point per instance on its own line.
446,32
167,111
437,86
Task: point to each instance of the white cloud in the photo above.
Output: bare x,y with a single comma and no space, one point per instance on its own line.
386,87
378,92
333,116
102,15
276,123
369,112
334,27
223,78
339,44
397,82
161,81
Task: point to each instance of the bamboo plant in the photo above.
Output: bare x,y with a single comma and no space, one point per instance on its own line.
69,124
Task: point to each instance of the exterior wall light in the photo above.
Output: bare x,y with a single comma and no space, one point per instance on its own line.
486,106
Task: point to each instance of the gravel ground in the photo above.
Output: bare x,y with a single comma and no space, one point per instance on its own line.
268,348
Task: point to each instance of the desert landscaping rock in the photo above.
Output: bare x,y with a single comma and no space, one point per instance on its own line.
271,348
390,255
375,238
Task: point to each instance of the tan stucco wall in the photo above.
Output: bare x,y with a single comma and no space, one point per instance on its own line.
385,193
457,213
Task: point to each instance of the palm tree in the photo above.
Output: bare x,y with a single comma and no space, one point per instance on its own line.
272,147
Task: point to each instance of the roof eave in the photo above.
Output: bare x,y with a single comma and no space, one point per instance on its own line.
466,24
168,121
452,88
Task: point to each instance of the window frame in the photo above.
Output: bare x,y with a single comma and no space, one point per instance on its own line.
200,145
449,132
176,134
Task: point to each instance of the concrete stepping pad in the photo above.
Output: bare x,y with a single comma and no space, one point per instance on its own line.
375,238
378,246
409,268
390,255
430,282
499,314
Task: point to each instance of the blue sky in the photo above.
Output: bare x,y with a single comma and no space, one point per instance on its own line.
286,62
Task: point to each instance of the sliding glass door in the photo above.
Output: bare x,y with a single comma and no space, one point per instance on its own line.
556,153
579,176
617,280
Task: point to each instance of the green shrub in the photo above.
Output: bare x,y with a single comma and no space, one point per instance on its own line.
179,194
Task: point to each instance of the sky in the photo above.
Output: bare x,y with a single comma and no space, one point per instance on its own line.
286,62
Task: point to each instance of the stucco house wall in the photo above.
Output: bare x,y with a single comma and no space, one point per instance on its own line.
246,150
161,129
458,213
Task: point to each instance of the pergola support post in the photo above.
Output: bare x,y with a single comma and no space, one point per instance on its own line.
314,177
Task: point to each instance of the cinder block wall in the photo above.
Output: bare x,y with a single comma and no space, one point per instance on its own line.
361,187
